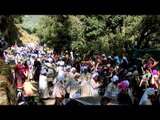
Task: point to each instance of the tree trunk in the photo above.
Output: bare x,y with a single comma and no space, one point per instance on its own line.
141,39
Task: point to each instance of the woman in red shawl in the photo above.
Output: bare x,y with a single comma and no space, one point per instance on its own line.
19,75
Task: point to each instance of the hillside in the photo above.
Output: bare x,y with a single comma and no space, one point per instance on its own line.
27,37
30,22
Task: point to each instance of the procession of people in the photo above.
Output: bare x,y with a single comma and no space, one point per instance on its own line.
70,76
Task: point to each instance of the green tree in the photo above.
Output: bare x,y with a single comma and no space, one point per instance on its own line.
99,33
9,29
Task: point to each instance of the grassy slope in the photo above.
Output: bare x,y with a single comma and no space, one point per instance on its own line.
29,22
27,37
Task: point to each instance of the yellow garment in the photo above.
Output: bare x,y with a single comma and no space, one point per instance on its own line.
27,86
99,61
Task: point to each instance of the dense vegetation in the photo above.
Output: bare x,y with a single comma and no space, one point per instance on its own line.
101,33
9,28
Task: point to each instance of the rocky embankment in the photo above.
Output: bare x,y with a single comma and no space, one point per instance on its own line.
7,86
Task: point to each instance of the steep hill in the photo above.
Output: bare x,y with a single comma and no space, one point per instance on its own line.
26,29
26,36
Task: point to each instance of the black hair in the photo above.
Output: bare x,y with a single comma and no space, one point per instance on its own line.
105,100
124,99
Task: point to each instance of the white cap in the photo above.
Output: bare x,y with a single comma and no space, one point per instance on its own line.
103,55
58,63
93,63
43,71
68,67
110,57
50,59
115,78
72,69
108,65
85,68
71,52
129,74
95,74
61,63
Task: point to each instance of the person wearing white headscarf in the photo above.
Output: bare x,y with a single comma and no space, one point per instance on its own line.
67,71
112,88
73,86
59,92
125,95
90,87
145,100
85,90
85,76
43,85
155,79
94,84
60,71
72,73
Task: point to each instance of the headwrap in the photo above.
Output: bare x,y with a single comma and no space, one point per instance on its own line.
68,67
43,71
123,84
109,57
61,63
108,65
58,63
129,74
155,72
103,55
149,91
124,58
97,56
148,64
115,78
95,74
72,69
85,68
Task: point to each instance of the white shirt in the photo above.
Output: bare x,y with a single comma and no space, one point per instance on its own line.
84,82
111,90
94,87
61,73
43,83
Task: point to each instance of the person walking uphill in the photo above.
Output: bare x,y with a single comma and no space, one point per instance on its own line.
37,68
147,96
28,91
43,85
95,84
59,92
19,75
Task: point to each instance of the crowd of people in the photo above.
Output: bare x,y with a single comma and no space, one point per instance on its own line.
114,76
